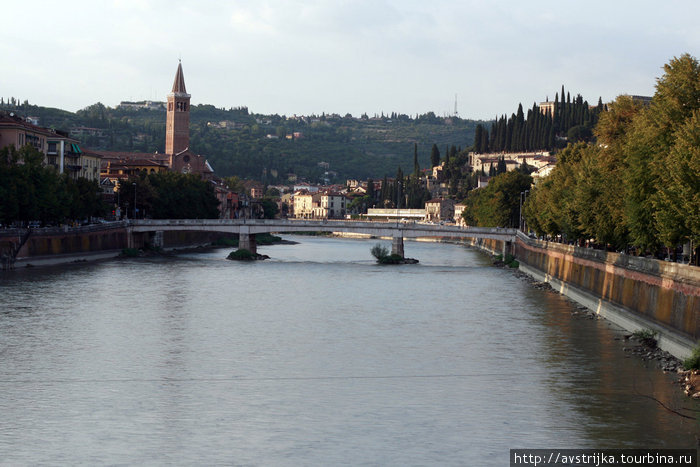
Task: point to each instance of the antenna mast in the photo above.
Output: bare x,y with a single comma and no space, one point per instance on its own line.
456,113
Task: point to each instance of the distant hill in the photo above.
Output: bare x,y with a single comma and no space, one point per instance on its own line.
268,147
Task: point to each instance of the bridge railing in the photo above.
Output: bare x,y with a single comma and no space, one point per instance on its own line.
410,229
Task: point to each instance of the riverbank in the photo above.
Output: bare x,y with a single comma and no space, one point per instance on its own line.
52,247
645,348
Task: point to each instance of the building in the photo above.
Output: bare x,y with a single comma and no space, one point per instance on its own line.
405,215
59,149
304,203
459,210
177,132
440,210
332,205
150,105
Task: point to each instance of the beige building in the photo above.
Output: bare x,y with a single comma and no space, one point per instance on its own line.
440,209
332,205
304,204
484,162
323,205
459,210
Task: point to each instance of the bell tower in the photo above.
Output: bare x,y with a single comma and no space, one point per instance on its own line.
177,123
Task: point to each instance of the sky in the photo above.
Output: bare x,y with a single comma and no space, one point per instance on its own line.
308,57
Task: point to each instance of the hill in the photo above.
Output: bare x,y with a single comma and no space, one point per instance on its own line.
327,148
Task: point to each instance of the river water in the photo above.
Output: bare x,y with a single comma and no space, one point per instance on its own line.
317,356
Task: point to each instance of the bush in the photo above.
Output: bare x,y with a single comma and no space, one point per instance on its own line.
693,362
390,259
380,252
646,337
242,254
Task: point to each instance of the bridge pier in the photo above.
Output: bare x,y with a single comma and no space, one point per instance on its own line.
507,249
156,239
397,246
246,240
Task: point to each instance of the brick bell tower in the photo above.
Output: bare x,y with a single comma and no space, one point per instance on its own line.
177,123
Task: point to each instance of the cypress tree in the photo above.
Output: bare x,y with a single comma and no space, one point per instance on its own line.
416,167
434,156
478,137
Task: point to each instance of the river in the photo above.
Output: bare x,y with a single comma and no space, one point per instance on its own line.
317,356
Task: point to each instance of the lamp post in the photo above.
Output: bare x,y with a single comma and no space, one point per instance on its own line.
134,200
523,196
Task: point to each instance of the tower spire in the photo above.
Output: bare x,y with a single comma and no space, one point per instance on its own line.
177,123
179,83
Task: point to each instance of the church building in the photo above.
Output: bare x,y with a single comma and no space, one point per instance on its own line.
177,132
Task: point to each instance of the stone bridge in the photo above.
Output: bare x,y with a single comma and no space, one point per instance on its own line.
247,228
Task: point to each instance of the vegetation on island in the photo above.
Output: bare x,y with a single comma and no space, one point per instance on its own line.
381,253
245,255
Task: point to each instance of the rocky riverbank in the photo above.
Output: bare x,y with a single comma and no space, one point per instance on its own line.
639,345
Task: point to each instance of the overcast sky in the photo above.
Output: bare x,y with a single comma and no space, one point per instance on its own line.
341,56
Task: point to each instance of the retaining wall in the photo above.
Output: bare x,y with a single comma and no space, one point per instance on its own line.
636,293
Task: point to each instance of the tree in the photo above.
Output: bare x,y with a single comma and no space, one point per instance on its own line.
434,156
478,137
498,204
416,166
371,193
270,208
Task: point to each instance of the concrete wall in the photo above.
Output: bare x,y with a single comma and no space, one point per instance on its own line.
59,245
495,247
636,293
50,242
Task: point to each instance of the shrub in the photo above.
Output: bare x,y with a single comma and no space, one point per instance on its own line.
380,252
646,337
693,362
241,254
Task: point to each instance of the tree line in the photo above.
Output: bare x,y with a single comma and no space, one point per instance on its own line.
168,195
571,119
31,191
639,185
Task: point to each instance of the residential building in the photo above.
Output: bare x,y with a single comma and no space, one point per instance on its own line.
59,149
459,210
440,210
304,204
332,205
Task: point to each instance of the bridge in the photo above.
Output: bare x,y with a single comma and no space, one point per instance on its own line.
247,228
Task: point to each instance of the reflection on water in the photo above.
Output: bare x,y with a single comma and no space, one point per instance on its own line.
317,356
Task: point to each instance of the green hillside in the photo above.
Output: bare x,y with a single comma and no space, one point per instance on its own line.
255,146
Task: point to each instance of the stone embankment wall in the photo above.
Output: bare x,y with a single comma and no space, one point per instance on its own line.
635,293
63,245
495,247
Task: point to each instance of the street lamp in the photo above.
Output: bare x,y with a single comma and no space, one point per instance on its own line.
523,195
135,210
